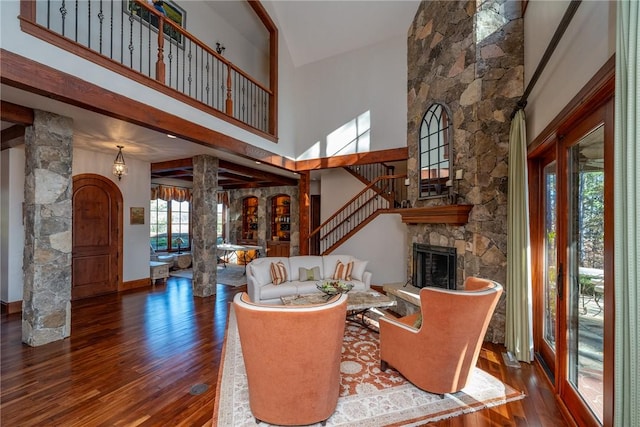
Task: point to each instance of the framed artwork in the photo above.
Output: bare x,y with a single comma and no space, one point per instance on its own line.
171,10
136,216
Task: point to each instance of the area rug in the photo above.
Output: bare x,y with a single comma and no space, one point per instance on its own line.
232,275
368,396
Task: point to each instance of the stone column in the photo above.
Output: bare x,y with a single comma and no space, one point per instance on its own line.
46,307
204,213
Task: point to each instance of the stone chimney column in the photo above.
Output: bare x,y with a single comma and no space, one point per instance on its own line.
46,307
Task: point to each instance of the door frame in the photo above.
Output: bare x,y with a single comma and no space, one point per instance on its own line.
116,194
597,94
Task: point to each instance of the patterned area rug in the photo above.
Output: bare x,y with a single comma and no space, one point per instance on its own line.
232,275
368,396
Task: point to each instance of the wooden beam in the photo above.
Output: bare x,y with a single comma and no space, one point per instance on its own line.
390,155
12,137
15,113
258,174
304,221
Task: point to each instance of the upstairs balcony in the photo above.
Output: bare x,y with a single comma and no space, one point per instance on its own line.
124,36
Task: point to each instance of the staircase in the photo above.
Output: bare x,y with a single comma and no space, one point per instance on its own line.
383,191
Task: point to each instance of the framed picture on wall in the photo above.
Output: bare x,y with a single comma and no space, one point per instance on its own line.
136,216
171,10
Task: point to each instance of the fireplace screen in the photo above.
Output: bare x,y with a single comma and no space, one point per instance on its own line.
434,266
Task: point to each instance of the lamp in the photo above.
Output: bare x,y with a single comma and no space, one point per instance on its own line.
119,167
179,242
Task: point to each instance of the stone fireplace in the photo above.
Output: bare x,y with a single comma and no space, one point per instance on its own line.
467,56
433,266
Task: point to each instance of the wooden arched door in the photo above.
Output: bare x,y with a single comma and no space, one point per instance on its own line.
97,236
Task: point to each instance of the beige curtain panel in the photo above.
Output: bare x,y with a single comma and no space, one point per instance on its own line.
168,193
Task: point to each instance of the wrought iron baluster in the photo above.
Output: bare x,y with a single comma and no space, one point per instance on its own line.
131,41
49,14
63,13
100,19
190,56
76,21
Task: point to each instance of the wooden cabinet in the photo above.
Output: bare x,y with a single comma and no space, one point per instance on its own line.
249,220
281,218
277,248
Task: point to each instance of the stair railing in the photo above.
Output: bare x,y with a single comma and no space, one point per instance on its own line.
380,195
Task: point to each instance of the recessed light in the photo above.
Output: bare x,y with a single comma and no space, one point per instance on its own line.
258,163
171,136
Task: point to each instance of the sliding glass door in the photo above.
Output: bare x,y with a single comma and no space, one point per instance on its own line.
572,238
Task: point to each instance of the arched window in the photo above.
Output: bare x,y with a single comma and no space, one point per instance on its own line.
434,167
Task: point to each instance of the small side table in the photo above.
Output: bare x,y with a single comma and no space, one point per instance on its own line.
182,260
159,270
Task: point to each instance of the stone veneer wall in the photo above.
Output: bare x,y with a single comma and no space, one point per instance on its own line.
470,60
264,196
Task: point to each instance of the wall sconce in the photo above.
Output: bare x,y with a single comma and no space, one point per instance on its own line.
220,48
179,242
119,167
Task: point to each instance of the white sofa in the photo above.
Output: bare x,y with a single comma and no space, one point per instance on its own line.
260,285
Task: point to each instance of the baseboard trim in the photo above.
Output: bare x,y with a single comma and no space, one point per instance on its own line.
135,284
10,307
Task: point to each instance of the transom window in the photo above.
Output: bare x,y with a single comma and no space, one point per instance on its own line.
435,167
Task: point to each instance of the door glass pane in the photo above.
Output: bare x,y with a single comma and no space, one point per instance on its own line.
586,268
550,255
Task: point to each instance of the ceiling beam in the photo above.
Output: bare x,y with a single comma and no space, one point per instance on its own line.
12,136
16,113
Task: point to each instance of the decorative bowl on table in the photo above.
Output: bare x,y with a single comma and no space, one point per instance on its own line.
333,287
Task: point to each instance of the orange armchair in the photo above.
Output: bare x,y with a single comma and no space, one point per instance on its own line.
292,357
440,355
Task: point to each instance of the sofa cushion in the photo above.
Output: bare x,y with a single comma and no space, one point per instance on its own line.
261,269
278,273
329,263
359,267
308,262
308,274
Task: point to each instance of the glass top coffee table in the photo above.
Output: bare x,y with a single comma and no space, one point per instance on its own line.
359,303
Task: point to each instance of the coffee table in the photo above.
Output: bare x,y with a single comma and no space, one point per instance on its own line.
359,303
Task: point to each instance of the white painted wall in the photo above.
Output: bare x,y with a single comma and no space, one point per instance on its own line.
332,92
135,188
11,226
585,47
382,242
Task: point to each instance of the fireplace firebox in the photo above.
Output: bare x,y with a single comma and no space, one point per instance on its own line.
434,266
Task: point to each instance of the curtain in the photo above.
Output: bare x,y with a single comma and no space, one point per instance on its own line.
519,332
168,193
626,213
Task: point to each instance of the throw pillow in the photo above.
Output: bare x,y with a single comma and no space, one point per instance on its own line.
358,269
278,273
343,271
308,274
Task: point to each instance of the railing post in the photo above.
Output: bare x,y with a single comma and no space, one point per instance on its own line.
160,67
229,102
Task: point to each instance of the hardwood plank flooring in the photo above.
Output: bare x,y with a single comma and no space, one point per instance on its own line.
133,358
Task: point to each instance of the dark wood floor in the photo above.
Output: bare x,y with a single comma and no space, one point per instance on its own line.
133,358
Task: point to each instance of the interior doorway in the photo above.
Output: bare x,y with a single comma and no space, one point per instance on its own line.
97,236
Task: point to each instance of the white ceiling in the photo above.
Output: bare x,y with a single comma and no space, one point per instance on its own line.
313,30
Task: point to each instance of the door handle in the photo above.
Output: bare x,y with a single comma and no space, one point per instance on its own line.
560,282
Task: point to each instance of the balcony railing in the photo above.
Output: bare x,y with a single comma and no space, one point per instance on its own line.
127,32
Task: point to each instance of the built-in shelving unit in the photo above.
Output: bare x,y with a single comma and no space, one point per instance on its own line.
249,221
280,226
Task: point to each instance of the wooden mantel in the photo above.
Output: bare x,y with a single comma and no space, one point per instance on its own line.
448,214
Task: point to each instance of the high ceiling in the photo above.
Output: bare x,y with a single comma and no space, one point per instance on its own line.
313,30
